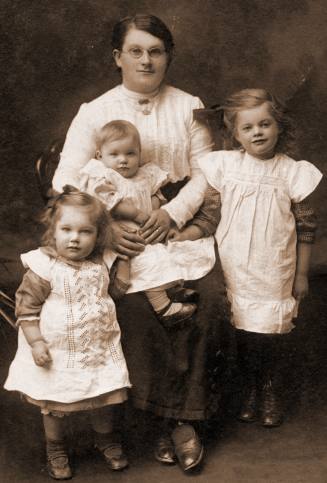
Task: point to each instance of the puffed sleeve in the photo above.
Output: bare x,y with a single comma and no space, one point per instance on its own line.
39,262
212,165
304,177
101,182
155,175
79,147
184,206
30,296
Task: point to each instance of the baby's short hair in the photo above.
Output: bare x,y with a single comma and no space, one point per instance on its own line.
116,130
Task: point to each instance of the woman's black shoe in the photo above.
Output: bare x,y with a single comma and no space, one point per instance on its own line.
188,447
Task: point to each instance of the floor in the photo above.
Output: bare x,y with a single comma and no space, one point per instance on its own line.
235,452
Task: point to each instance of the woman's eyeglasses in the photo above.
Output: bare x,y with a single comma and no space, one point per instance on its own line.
137,52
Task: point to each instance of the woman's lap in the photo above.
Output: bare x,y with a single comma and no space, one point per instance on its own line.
171,371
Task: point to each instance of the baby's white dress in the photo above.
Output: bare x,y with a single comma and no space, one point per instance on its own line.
78,321
159,263
256,236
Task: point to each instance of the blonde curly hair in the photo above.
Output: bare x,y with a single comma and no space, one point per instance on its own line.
73,197
248,99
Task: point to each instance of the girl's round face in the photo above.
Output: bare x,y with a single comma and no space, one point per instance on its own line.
257,131
75,233
122,155
143,61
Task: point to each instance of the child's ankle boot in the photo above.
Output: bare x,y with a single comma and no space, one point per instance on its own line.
57,460
183,294
272,378
109,444
171,318
271,411
248,411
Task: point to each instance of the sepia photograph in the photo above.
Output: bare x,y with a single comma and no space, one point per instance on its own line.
163,241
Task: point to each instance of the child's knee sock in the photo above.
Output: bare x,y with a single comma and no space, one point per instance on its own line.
108,439
103,424
104,419
159,300
54,427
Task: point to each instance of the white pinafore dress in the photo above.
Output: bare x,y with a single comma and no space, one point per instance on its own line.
257,235
78,321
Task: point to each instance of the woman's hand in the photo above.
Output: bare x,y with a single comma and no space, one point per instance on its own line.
300,286
40,353
156,228
124,240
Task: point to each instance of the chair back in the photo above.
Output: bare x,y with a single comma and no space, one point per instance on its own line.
45,167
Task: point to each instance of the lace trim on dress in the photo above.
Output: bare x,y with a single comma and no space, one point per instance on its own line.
141,102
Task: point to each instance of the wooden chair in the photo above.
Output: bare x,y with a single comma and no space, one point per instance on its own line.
7,309
45,167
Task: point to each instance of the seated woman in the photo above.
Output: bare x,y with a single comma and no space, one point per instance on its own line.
177,391
130,191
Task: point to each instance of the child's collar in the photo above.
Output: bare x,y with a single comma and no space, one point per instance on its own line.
52,252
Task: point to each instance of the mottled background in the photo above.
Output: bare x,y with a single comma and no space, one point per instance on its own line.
56,55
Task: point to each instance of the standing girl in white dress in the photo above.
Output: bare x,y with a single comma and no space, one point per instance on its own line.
130,191
69,355
264,238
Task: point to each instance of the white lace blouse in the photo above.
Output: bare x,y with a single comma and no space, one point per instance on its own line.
169,136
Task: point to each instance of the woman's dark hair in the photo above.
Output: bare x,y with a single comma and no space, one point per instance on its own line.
248,99
148,23
73,197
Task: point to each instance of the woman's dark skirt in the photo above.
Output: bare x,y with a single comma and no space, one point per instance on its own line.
178,373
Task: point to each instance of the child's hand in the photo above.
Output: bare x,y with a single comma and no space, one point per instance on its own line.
40,353
141,218
174,235
300,286
191,232
104,188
